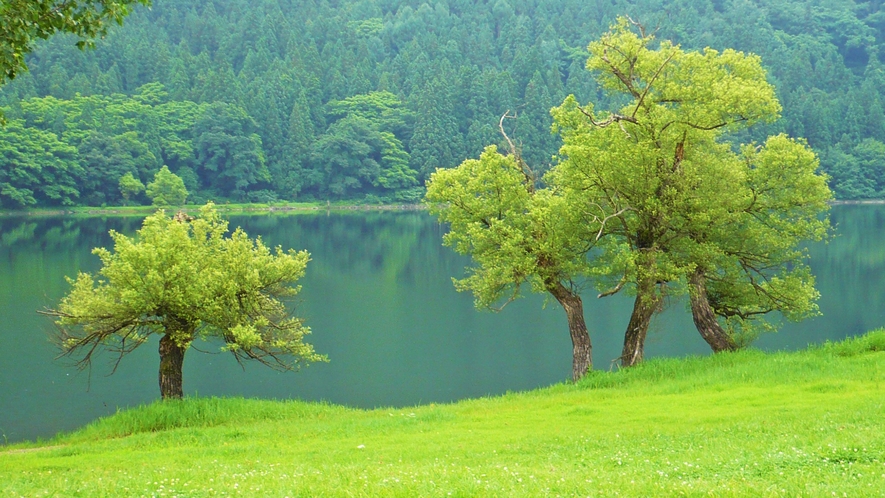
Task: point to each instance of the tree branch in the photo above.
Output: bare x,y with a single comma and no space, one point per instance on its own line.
526,171
650,83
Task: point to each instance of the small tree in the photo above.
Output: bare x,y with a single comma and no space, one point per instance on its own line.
167,189
749,261
183,279
130,186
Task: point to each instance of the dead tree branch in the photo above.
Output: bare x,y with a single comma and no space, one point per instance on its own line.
514,151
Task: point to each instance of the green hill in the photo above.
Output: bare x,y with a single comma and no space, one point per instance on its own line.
363,99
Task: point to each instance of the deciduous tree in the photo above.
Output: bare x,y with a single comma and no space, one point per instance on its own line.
167,189
691,209
130,186
184,279
517,235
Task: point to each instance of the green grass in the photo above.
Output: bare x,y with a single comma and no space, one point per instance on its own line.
810,423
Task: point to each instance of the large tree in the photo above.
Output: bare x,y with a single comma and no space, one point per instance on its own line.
691,209
517,235
183,279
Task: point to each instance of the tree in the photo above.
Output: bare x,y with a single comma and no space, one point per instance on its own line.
353,156
183,279
750,261
22,22
517,235
130,186
105,156
690,209
167,189
228,150
36,168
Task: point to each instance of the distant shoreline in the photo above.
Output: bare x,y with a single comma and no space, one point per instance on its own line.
247,208
225,208
866,201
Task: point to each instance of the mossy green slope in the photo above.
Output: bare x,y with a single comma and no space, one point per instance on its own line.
810,423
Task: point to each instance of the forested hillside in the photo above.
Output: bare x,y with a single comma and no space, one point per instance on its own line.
258,100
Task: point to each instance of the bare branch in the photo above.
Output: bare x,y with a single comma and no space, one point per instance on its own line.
638,25
613,291
625,79
613,118
704,128
507,115
498,309
650,83
526,171
613,215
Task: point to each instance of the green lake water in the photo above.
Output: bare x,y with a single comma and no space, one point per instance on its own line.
379,298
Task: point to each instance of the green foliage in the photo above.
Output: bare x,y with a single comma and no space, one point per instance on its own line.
111,136
858,170
384,109
130,186
683,202
355,155
762,266
106,156
361,150
167,189
35,167
186,279
228,151
22,22
438,79
515,234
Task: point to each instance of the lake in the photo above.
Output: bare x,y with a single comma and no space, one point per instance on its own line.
379,297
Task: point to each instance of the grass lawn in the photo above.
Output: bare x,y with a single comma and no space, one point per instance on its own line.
810,423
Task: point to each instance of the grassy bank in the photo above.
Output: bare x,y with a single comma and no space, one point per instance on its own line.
810,423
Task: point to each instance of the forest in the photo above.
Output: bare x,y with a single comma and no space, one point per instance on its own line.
361,100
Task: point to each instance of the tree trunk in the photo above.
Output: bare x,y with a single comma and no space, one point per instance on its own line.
644,308
171,362
582,350
705,318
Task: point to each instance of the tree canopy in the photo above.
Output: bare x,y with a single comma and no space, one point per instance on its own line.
166,190
692,209
184,279
650,196
517,235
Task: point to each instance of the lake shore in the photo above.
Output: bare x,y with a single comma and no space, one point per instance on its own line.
263,208
805,423
226,208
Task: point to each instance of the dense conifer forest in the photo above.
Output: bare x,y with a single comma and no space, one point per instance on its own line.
265,100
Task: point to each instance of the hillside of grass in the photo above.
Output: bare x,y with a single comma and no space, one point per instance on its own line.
808,423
